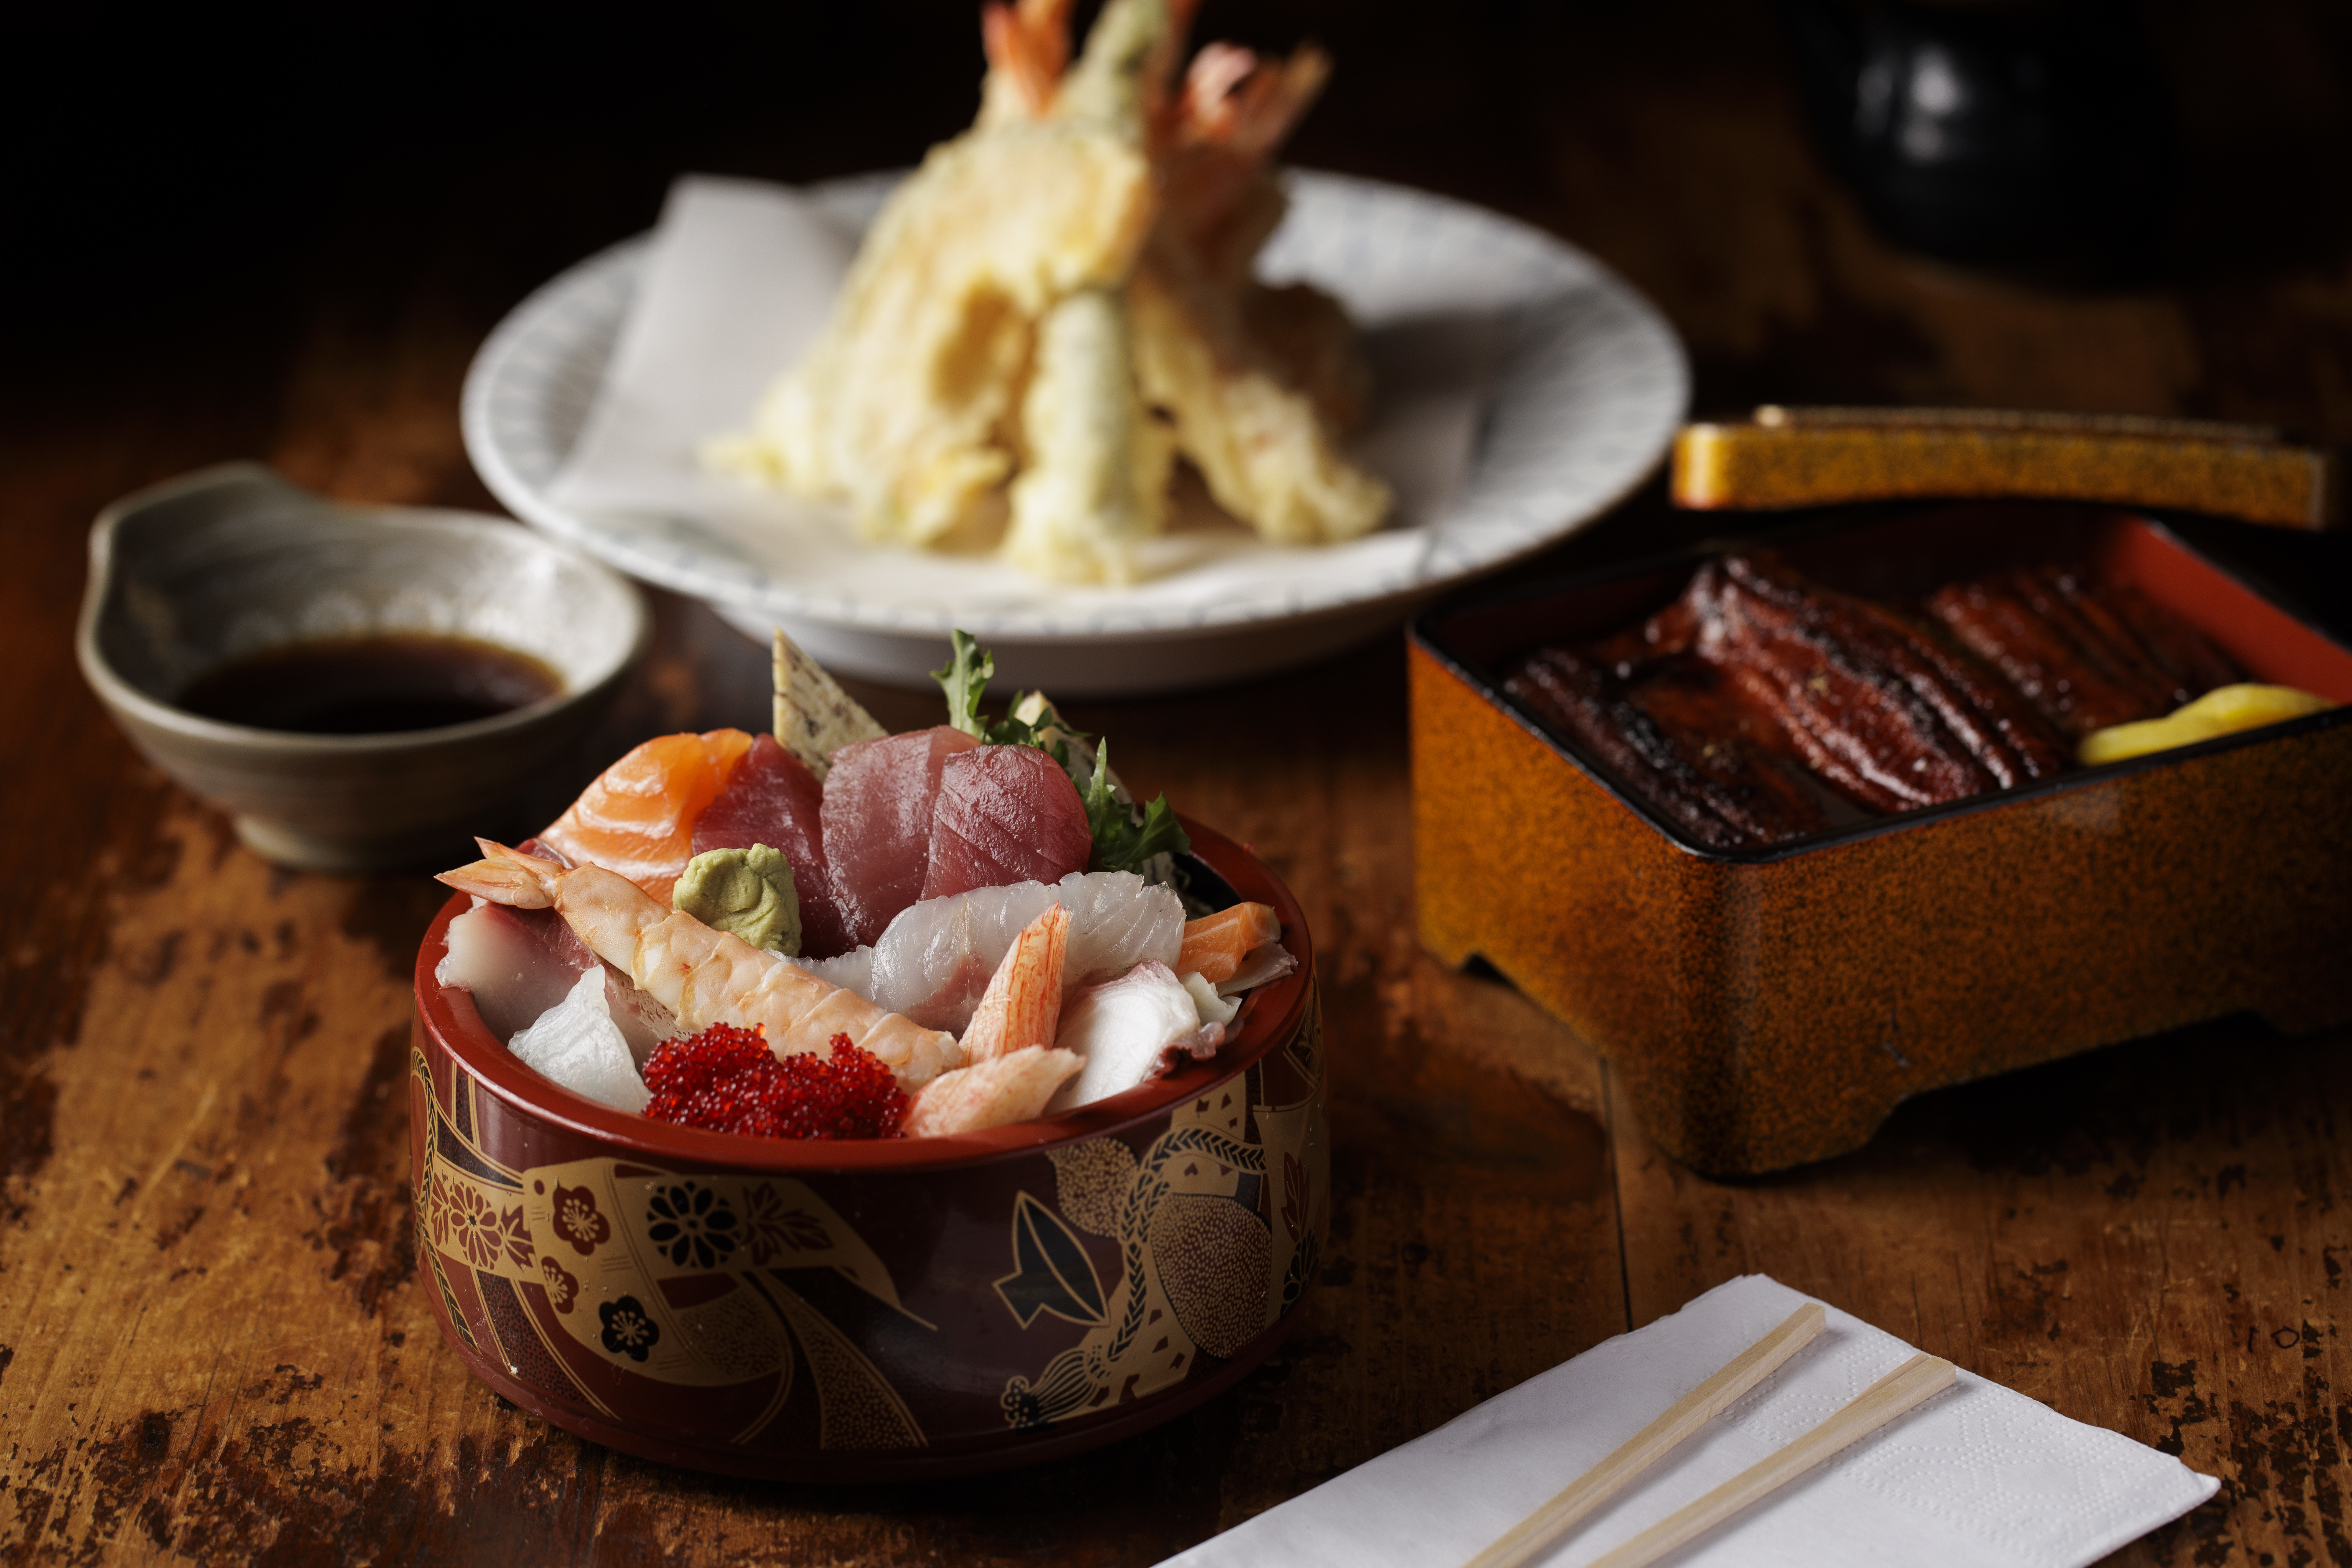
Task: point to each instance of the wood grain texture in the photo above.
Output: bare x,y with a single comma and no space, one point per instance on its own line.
211,1344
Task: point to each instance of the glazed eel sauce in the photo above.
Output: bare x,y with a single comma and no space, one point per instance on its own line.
1761,706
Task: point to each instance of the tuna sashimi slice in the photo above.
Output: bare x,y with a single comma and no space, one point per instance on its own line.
774,799
879,804
1005,813
638,819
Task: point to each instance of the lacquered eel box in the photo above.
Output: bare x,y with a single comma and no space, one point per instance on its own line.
1769,1006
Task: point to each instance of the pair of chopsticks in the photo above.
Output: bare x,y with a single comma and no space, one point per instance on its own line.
1898,1391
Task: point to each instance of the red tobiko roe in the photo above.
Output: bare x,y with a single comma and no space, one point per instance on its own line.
727,1080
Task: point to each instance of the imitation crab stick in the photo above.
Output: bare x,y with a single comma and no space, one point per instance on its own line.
1022,1004
993,1093
1215,944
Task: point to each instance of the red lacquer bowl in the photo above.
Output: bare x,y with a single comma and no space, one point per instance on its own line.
830,1312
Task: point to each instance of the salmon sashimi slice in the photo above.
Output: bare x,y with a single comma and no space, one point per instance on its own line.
1214,946
1022,1004
774,799
995,1093
638,819
879,802
1004,814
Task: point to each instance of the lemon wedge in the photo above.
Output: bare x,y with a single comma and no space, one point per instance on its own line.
2218,713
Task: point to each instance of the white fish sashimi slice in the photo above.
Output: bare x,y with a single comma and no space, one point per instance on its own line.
852,971
577,1044
1117,921
935,959
518,976
515,976
1212,1008
938,961
1129,1031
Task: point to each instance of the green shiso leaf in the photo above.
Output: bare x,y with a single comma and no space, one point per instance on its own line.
1122,843
964,677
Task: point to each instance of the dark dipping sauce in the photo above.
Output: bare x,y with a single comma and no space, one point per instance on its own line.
370,685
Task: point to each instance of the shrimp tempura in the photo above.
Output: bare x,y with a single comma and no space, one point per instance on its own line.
904,406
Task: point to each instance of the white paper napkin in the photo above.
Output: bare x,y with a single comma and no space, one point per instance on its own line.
739,279
1979,1475
738,283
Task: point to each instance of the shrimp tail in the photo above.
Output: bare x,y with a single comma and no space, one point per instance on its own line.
504,876
1249,103
1028,48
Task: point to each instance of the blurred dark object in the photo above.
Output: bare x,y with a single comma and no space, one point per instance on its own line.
1995,133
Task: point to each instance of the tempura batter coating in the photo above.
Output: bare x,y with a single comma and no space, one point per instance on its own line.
1260,445
903,405
1059,300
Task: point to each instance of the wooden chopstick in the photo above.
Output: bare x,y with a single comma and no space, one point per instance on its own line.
1916,1380
1743,1372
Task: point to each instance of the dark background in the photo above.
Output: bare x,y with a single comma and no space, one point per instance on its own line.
193,195
165,171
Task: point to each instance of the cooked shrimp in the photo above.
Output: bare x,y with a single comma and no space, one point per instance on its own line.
993,1093
1214,946
1219,195
1262,446
1028,45
1022,1004
902,405
705,976
1097,483
992,365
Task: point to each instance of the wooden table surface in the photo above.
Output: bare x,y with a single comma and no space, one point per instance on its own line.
212,1346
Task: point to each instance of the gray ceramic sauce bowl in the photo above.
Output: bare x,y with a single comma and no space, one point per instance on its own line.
233,561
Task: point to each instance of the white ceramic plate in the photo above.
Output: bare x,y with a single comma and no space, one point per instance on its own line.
1583,384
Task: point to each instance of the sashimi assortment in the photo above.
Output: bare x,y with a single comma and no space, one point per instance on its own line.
838,933
933,960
